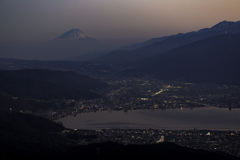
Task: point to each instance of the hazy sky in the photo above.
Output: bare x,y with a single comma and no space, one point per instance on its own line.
26,20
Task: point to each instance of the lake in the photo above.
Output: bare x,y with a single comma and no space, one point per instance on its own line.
211,118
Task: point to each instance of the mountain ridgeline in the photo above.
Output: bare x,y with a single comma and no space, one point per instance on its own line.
213,60
157,46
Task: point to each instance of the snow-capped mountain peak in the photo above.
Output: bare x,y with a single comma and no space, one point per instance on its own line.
75,34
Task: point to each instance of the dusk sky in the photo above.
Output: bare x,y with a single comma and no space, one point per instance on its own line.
136,20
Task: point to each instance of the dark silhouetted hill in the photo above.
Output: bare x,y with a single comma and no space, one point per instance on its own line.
8,103
46,84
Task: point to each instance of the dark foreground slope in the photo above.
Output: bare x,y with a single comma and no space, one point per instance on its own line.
213,60
46,84
23,133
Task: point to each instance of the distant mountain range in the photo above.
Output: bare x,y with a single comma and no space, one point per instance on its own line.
157,46
210,55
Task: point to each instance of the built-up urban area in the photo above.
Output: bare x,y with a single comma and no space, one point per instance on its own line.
132,94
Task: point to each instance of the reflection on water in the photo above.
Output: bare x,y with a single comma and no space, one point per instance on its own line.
199,118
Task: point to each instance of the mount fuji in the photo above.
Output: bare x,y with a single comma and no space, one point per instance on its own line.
66,46
71,44
75,35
